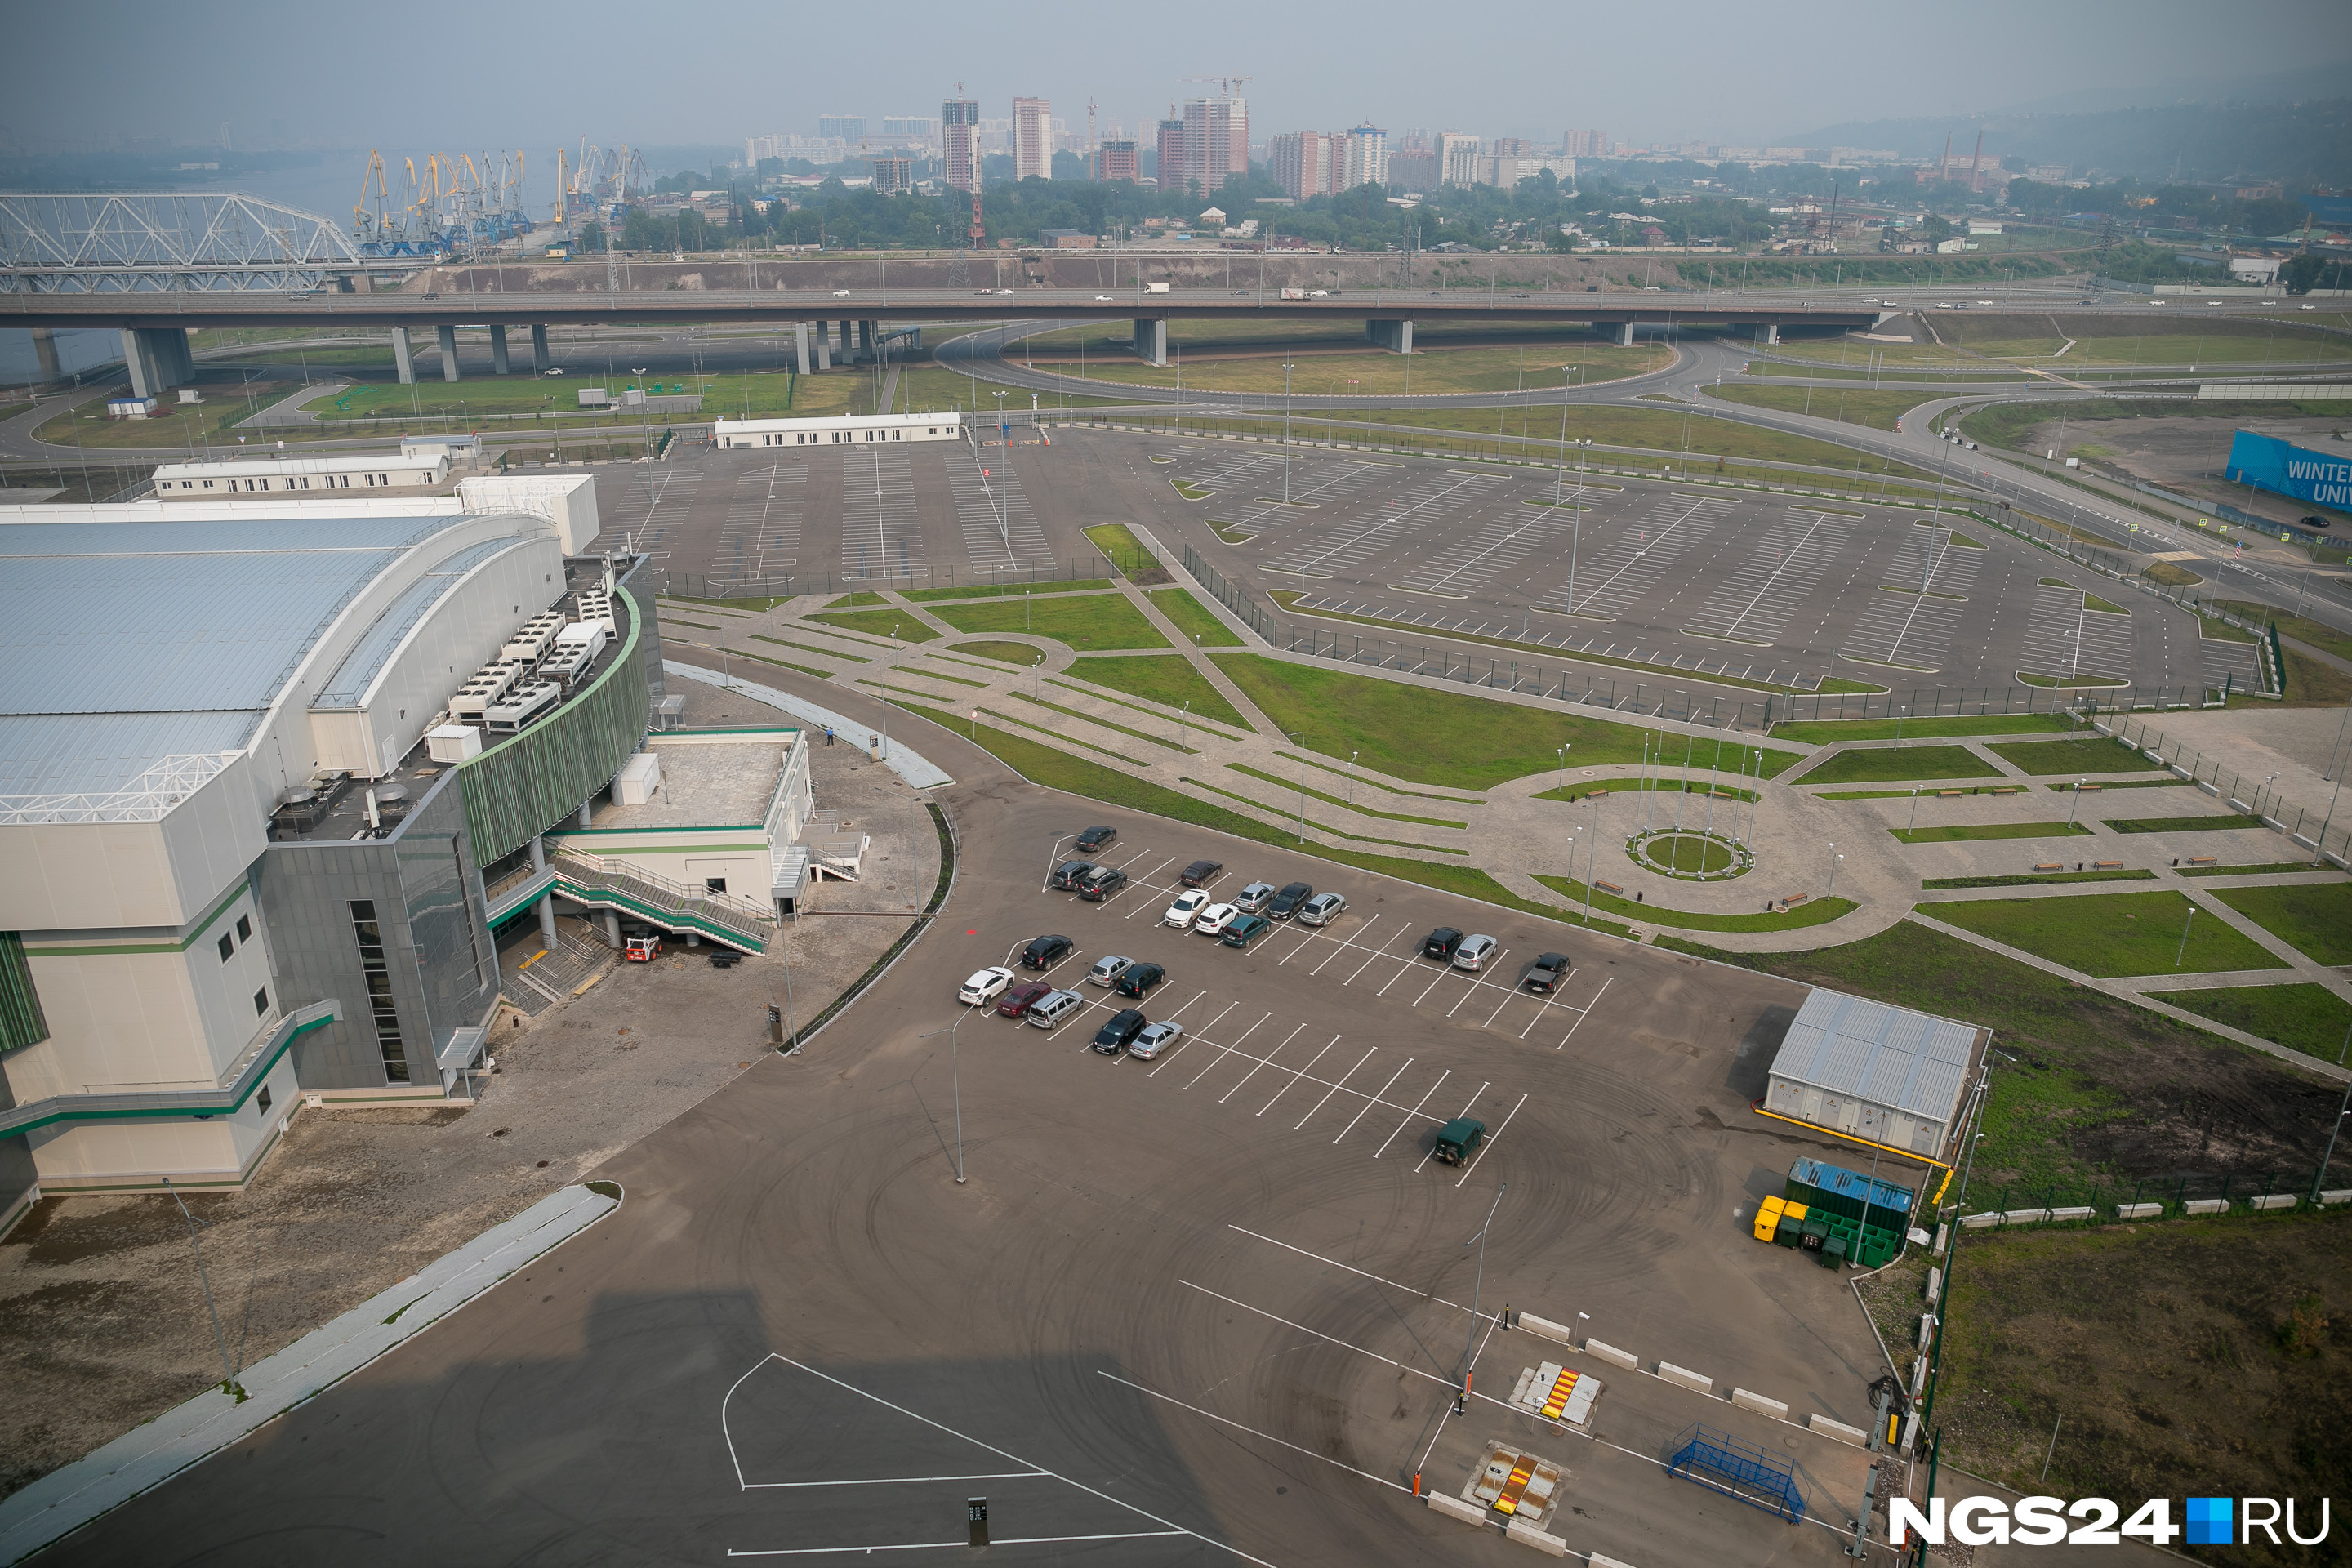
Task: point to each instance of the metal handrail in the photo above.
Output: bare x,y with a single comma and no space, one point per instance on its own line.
597,872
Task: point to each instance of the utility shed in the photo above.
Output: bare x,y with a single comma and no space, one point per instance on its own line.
1886,1074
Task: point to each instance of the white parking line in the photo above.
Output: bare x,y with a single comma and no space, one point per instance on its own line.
1253,1072
1490,1143
1414,1115
1443,970
1299,1074
1549,997
1476,980
1335,1088
1225,1051
1189,1038
1374,1101
1377,954
1457,1116
1347,942
1585,1012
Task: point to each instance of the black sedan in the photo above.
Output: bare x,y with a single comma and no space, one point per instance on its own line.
1201,873
1546,973
1045,952
1285,903
1440,944
1119,1033
1095,839
1138,979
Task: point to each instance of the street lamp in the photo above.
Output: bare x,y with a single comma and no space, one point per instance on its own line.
1351,779
1287,369
1831,889
1299,740
1913,827
2191,920
1899,717
2077,806
955,1072
1184,727
1560,780
1476,1285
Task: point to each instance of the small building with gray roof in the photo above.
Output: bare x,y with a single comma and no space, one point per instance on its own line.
1886,1075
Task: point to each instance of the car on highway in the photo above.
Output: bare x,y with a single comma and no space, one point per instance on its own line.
841,293
1109,967
1546,973
1138,980
985,986
1245,931
1212,920
2212,301
2155,301
1045,952
1119,1030
1321,910
1095,839
1154,1039
1016,1001
1440,944
1435,294
2316,522
1201,873
1068,874
1100,883
1285,904
1253,899
1189,904
1319,294
1053,1007
555,372
1004,290
1523,296
1099,298
1472,953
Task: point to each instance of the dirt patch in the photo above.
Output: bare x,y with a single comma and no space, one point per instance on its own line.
2210,1357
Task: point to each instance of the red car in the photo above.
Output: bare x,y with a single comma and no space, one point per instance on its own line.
1014,1004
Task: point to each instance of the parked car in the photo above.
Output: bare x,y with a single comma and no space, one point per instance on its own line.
1016,1001
1095,839
1472,953
1212,920
1138,979
1546,973
1201,873
1252,899
985,986
1100,883
1066,875
1054,1007
1245,931
1045,952
1120,1030
1189,903
1155,1039
1458,1140
1321,910
1285,904
1108,968
1440,944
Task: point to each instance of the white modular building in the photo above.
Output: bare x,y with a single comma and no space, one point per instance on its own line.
844,430
1886,1075
411,473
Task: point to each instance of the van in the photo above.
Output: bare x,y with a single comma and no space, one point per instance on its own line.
1458,1140
1245,931
1155,288
1051,1009
1100,883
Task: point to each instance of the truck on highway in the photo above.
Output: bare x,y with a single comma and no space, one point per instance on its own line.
1293,293
1155,288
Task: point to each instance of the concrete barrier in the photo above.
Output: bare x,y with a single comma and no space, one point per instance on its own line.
1599,1561
1979,1221
1927,1329
1455,1507
1546,1329
1528,1535
1686,1377
1776,1408
2207,1206
1821,1423
1943,1239
2025,1216
2335,1195
2084,1212
1610,1352
2138,1211
1935,1283
2275,1201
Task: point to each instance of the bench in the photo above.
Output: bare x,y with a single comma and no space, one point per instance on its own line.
2040,865
2090,788
2106,865
1950,794
2008,789
2204,859
1793,899
1609,888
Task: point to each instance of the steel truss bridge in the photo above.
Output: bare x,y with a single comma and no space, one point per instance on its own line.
169,242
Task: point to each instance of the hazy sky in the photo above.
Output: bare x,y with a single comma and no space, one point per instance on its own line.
467,76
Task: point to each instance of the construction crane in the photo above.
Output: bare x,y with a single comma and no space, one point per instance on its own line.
1225,84
371,228
560,190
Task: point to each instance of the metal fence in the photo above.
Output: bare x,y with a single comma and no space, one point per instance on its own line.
749,585
1976,702
2237,1192
2257,798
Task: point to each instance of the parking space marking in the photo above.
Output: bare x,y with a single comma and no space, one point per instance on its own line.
1378,954
1254,1432
1414,1115
1269,1057
1585,1012
891,1481
1299,1073
1477,978
1342,943
1224,1051
1375,1099
1443,970
1490,1143
1457,1116
1550,998
1189,1038
1335,1088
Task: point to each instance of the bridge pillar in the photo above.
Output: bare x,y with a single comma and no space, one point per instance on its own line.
1394,336
45,352
448,351
1765,331
403,358
498,351
1151,341
612,930
825,346
800,331
157,358
865,335
539,363
1624,334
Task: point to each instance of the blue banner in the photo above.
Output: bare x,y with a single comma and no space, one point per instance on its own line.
2269,464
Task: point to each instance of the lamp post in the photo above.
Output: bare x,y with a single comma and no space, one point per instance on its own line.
1351,779
1899,717
1184,727
2191,920
2319,839
1299,740
2319,1180
1913,827
1834,858
2077,805
955,1073
1287,369
1476,1285
228,1374
1560,780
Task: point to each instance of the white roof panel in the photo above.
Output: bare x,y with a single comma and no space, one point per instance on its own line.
1893,1056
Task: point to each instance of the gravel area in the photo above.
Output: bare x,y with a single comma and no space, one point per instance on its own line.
108,1326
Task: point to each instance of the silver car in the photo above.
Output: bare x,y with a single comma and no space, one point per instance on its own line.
1108,968
1473,953
1252,899
1155,1039
1321,910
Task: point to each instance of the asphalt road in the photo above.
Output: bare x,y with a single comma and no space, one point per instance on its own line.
1204,1309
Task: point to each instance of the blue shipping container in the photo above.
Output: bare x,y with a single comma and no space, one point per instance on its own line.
1882,1198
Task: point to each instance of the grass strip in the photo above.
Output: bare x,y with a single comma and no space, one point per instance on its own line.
2312,918
2305,1017
1936,884
1004,590
1102,723
1345,805
698,625
1823,731
1341,768
947,717
2215,824
958,679
805,648
2110,934
2046,759
2269,869
889,624
1170,679
909,690
1085,623
1882,764
2122,783
1961,833
1205,729
1118,540
1019,653
1324,828
785,664
1190,491
1192,617
856,600
1627,786
1814,913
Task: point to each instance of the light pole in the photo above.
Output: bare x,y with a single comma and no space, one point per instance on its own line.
1287,369
955,1072
2319,839
228,1374
1560,780
1914,825
1299,740
1899,717
2191,920
1831,890
1184,727
2077,806
1478,1284
2320,1180
1351,780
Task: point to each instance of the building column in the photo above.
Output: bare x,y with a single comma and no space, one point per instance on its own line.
1151,341
1624,334
611,929
538,363
539,853
498,351
547,918
448,351
587,819
800,332
402,357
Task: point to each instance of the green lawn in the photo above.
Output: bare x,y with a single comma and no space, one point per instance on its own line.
1342,801
810,647
857,600
2317,634
2268,868
2107,934
1168,740
1822,732
1118,540
2029,881
1005,652
1167,678
1004,590
1961,834
2308,1018
1900,763
1086,623
1814,912
1193,618
2316,919
899,624
2049,759
2217,822
1444,738
1878,410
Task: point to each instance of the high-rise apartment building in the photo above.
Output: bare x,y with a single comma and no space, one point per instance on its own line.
960,136
1171,149
891,175
1457,158
1216,143
1032,139
1117,159
848,127
911,127
1364,158
1300,162
1585,145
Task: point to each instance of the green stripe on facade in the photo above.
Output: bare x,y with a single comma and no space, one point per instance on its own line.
21,1023
179,1112
195,934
